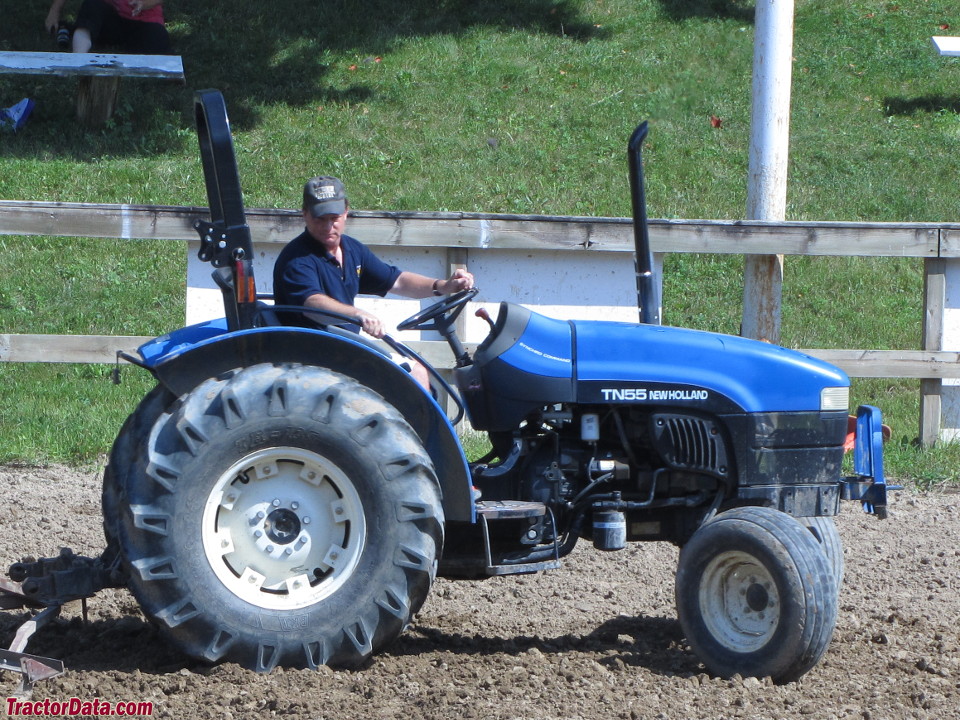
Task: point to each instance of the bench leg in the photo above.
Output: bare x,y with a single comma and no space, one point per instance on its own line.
96,100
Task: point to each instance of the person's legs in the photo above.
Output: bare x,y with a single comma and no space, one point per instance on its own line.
82,42
89,25
420,374
145,38
416,370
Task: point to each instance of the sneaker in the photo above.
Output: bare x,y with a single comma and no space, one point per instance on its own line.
17,115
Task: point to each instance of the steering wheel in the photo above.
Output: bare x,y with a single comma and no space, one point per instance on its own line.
443,313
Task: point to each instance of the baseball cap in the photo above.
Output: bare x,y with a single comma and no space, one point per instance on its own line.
324,196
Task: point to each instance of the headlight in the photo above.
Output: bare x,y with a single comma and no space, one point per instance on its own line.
835,398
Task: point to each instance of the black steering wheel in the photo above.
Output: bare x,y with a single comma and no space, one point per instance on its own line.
442,313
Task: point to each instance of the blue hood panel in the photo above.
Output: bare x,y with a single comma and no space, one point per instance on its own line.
602,358
544,348
756,376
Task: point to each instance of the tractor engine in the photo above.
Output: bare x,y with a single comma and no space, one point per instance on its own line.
596,465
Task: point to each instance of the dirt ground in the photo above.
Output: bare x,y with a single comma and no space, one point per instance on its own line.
597,639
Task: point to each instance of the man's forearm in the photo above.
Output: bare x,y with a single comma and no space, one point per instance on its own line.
414,285
325,303
371,324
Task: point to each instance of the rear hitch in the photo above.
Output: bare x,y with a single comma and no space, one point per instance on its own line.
44,586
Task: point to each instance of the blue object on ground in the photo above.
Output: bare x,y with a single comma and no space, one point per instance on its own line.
17,115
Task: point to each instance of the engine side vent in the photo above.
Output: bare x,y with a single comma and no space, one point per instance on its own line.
688,442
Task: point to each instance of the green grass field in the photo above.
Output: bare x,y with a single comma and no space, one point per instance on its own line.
520,106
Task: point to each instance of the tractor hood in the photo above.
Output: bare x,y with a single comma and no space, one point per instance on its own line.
753,375
617,362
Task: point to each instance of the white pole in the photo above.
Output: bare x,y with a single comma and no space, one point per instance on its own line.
767,171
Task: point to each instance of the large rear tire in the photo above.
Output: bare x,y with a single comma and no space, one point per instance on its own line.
281,515
131,437
756,595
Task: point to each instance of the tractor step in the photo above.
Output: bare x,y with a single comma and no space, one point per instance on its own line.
509,509
497,510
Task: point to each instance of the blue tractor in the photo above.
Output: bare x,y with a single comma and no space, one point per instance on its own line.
287,496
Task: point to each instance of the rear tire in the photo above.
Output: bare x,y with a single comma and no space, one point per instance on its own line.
122,456
281,515
755,595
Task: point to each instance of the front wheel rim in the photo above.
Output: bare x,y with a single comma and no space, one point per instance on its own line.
283,528
739,602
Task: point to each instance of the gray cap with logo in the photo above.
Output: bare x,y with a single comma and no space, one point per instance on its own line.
324,196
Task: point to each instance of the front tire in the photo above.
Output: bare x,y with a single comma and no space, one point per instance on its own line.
824,529
756,595
281,515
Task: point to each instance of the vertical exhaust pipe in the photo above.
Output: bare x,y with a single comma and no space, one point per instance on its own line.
648,289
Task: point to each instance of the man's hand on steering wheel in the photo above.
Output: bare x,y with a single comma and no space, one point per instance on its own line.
443,313
461,279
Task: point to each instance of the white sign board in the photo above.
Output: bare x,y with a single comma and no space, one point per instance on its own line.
566,285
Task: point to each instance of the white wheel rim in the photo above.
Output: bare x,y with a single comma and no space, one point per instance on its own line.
283,528
739,602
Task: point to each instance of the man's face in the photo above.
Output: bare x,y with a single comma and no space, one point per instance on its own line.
326,229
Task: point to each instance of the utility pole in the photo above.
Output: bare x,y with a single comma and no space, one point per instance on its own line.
767,171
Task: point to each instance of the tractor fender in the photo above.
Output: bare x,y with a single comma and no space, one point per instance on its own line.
182,360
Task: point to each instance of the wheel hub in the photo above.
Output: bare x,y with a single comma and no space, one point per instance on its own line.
757,597
739,601
283,528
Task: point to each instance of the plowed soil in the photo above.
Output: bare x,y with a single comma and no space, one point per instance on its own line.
597,639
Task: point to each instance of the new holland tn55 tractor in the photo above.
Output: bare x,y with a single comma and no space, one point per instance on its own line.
288,495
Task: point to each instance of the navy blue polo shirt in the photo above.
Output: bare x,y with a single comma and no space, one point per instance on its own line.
306,268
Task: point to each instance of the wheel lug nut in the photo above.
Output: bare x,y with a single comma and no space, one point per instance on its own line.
276,502
294,505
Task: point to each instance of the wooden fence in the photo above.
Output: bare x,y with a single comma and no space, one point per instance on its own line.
466,237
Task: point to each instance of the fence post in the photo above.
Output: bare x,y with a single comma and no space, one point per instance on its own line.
934,295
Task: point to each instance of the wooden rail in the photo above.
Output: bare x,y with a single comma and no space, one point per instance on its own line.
934,243
504,232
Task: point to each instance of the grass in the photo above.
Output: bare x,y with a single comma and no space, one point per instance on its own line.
498,106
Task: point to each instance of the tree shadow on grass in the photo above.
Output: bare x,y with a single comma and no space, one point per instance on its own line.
279,52
679,10
923,104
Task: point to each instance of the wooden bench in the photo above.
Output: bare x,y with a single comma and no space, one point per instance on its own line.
99,75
